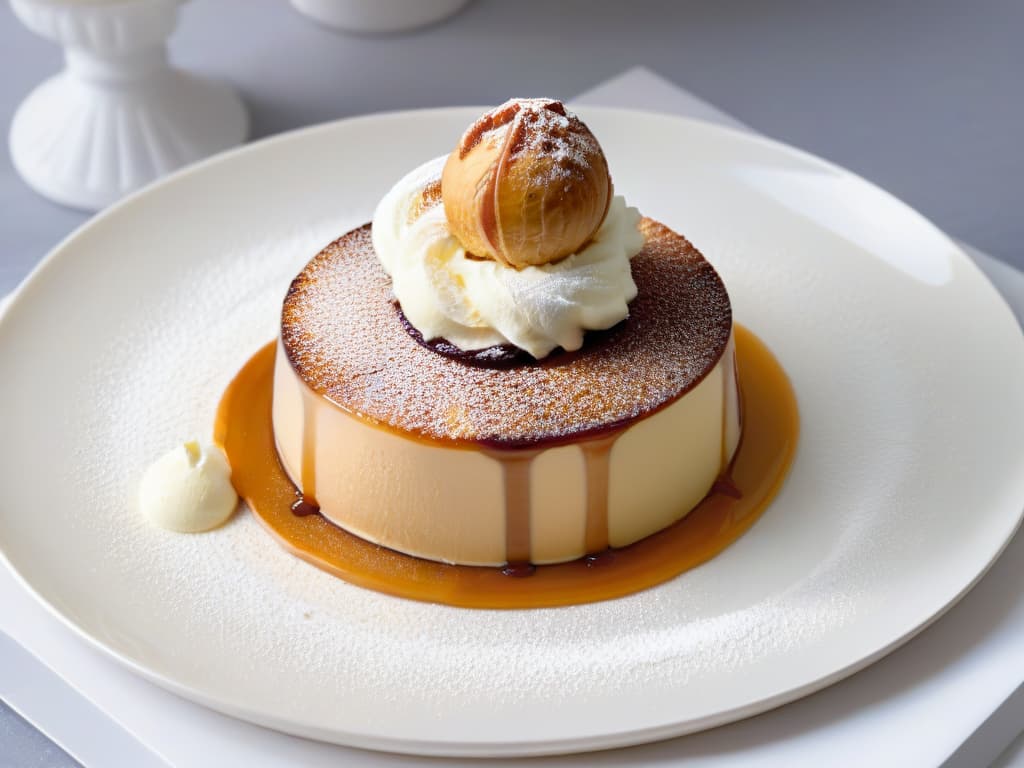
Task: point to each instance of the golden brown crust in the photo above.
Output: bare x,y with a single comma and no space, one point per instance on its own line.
528,184
344,338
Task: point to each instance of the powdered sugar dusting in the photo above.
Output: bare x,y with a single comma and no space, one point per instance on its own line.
542,129
559,137
343,335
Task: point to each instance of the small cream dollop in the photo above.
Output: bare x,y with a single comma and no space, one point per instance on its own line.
188,489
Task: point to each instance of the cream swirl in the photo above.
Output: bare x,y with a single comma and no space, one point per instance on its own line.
475,303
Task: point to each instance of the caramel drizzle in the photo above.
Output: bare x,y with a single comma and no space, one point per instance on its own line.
515,469
517,465
596,463
489,208
307,503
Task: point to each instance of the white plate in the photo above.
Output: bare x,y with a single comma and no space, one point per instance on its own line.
908,482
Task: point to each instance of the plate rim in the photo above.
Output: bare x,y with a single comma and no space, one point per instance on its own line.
22,294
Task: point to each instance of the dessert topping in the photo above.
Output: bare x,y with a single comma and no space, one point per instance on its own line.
528,184
188,489
554,262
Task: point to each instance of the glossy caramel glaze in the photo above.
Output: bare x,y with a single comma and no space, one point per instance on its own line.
339,330
770,430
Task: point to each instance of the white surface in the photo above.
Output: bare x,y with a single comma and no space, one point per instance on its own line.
39,695
914,707
117,117
1013,757
871,519
378,15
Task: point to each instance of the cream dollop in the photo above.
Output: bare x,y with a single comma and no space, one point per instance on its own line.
188,489
475,303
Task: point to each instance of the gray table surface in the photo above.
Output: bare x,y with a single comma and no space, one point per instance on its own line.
923,98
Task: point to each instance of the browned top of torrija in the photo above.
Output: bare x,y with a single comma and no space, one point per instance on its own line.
344,336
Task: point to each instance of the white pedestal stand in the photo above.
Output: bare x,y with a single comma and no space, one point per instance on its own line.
118,116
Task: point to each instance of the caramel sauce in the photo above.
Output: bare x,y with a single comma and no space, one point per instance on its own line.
596,462
307,504
515,470
301,507
516,467
770,430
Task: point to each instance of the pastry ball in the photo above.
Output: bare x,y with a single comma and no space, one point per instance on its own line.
528,184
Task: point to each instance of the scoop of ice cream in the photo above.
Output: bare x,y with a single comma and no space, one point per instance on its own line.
527,185
188,489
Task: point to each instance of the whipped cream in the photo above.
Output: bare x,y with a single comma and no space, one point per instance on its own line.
188,489
475,303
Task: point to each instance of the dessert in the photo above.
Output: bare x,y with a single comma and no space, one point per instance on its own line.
527,185
188,489
758,469
510,372
560,383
